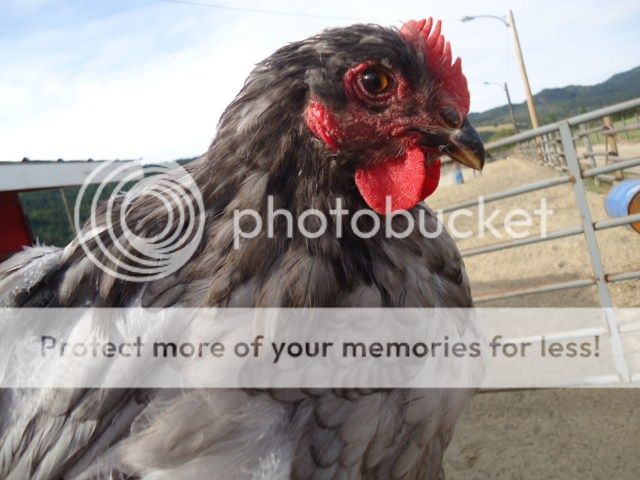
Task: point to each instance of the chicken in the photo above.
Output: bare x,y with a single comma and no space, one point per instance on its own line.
361,114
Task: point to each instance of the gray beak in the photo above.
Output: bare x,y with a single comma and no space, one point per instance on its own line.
461,144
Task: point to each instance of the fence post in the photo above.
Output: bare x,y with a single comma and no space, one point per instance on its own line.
546,159
553,161
530,151
611,144
557,148
571,156
589,148
624,125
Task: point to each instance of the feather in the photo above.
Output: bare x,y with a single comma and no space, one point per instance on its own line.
264,148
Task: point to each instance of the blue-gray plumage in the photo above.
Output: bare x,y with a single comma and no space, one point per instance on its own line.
265,145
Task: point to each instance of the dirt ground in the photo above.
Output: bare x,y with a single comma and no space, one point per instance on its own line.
548,262
556,433
548,434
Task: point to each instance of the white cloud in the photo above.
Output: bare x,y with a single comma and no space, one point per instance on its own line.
151,80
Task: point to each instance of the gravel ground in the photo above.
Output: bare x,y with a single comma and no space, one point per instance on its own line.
559,433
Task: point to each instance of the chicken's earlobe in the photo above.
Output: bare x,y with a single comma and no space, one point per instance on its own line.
323,124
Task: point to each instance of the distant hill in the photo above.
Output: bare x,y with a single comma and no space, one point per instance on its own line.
557,103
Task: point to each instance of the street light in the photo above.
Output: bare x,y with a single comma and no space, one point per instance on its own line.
510,22
468,18
506,90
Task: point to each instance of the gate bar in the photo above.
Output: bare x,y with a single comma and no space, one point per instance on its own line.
573,165
530,187
585,214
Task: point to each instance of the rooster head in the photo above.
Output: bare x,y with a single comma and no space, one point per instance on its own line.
395,102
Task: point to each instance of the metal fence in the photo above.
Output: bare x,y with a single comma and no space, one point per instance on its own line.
554,145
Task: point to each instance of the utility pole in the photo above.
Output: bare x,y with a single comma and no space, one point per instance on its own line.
513,116
511,23
505,87
523,71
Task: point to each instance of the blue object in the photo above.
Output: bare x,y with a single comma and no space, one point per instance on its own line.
619,198
457,176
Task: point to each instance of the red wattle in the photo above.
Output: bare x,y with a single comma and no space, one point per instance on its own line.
404,179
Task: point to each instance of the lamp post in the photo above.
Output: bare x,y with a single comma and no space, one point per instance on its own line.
510,22
506,90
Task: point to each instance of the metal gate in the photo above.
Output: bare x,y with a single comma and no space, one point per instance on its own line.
555,145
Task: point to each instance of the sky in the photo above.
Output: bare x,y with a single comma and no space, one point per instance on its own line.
149,78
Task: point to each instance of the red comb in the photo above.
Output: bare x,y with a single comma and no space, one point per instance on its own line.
437,52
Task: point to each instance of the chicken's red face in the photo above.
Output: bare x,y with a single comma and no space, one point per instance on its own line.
399,118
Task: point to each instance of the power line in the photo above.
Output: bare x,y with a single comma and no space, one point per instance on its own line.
264,11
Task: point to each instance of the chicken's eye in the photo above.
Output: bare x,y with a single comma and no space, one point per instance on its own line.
375,82
371,84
